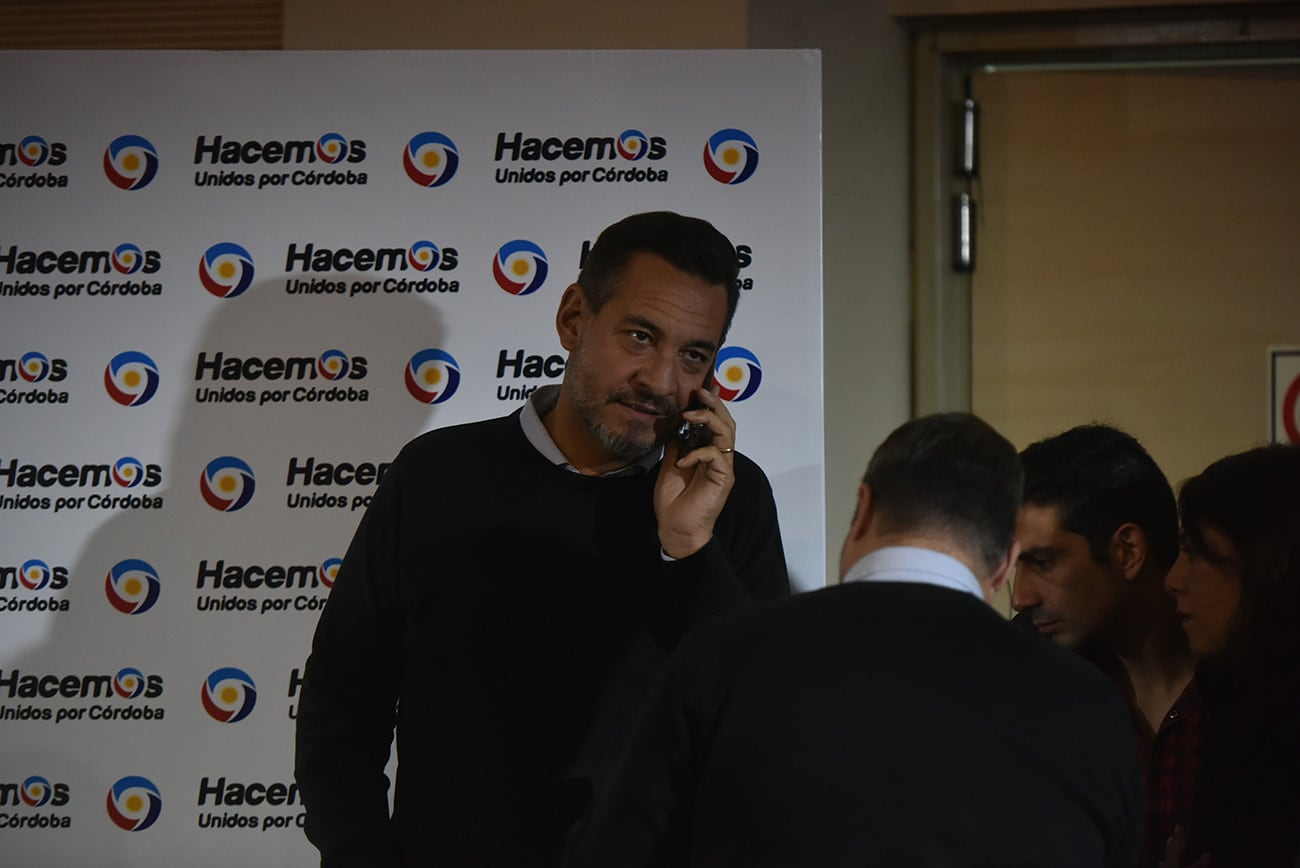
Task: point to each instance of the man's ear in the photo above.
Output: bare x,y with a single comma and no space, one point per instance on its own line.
1128,550
854,545
1003,572
571,316
861,514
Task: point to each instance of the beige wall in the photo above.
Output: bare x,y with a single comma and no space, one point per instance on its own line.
1138,255
865,158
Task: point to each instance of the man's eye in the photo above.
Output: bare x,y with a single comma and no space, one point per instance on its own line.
695,358
640,337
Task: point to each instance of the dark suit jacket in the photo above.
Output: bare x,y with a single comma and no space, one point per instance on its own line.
872,724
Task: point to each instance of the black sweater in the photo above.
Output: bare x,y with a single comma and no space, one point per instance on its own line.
508,616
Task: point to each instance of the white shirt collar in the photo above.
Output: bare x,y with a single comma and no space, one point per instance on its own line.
912,564
541,402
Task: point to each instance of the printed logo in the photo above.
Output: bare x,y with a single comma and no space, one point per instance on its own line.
432,376
227,484
36,792
430,159
124,259
131,378
226,270
633,144
132,586
127,258
331,148
423,255
33,367
333,364
128,472
35,575
128,683
33,151
130,162
737,374
229,695
520,267
329,571
134,803
730,156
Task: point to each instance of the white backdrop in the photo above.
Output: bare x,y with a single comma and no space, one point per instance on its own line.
232,285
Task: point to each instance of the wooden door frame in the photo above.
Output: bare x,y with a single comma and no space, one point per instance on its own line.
947,46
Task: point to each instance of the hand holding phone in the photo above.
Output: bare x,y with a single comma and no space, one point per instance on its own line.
690,435
696,477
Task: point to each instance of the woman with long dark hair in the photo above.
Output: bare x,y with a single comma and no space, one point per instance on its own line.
1237,586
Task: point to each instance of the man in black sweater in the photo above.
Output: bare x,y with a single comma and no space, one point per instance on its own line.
895,719
517,583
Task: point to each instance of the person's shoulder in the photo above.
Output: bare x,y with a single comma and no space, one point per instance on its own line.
489,435
773,622
1061,680
749,475
746,465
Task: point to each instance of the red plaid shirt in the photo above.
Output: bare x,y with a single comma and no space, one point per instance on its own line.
1171,760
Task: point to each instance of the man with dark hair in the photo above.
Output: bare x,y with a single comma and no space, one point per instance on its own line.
1098,532
517,583
867,723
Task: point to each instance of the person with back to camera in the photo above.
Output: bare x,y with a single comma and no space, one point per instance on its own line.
1237,589
517,583
872,722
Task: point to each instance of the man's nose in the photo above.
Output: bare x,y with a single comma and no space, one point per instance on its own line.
1024,591
658,373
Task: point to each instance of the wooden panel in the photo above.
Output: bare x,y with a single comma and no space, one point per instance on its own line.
514,24
75,24
1139,249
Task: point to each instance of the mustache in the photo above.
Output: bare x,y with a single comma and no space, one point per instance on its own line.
662,405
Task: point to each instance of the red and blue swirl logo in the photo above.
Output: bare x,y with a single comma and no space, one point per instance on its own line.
127,259
132,586
227,483
128,683
34,574
226,270
329,571
130,162
34,367
430,159
131,378
737,374
730,156
128,472
432,376
229,695
36,792
331,148
520,267
333,364
33,151
632,144
134,803
423,255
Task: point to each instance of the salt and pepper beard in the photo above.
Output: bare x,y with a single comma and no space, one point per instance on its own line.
588,405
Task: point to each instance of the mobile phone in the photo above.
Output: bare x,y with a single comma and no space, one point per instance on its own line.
692,436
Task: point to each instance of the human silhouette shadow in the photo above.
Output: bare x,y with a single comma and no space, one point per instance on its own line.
192,758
